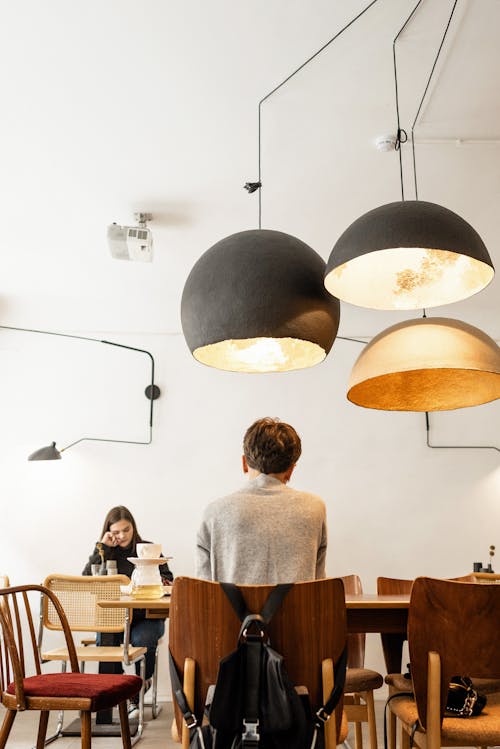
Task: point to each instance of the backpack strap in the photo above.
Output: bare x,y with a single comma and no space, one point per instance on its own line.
187,713
327,709
270,607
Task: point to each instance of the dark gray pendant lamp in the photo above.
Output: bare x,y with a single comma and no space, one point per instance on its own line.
408,254
255,302
152,392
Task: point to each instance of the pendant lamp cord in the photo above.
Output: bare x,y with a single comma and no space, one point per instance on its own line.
401,136
455,447
108,343
253,186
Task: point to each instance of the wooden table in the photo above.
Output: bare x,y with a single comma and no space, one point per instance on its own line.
365,613
385,614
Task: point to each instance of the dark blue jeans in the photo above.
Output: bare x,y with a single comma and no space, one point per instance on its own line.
144,633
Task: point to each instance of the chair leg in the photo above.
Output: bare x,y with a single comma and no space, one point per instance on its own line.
140,722
85,720
42,728
358,729
405,738
8,720
124,725
392,730
155,708
372,724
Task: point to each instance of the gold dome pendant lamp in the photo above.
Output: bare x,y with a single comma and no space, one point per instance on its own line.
427,364
256,300
406,255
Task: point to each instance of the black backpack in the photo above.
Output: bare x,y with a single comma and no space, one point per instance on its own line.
254,704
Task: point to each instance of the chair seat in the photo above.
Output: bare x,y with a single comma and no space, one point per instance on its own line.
112,653
362,680
482,730
103,690
398,683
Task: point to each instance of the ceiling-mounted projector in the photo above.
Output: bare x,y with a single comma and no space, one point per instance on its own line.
132,242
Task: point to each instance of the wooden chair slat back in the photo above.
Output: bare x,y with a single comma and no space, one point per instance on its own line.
355,642
16,617
78,595
309,626
459,621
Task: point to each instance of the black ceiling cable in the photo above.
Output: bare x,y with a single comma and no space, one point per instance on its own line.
401,138
253,186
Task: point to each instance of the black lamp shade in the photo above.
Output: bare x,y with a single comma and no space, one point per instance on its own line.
256,302
46,453
408,255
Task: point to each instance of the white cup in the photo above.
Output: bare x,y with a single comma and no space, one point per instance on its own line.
148,551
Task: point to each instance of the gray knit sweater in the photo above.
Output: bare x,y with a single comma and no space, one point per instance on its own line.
266,532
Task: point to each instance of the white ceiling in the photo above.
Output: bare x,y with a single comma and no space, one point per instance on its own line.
115,106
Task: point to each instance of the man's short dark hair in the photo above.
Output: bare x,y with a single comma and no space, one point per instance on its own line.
271,446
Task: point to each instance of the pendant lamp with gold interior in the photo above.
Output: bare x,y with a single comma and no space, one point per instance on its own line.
409,254
428,364
255,302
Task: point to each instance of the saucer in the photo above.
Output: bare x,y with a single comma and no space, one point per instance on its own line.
140,560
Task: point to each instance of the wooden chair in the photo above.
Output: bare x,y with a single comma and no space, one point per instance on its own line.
309,630
45,692
452,629
360,682
78,596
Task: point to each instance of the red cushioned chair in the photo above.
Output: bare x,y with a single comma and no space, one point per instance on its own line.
56,691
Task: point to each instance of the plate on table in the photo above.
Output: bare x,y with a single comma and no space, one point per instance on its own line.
157,560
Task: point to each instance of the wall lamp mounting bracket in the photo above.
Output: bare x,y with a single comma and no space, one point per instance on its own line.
152,392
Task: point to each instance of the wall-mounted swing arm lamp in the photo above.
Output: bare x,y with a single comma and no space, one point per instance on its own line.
256,301
152,392
408,254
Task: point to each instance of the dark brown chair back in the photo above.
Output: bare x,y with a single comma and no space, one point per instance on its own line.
18,647
460,622
355,642
309,626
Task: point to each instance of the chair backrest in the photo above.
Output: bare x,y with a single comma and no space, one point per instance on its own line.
393,586
310,626
355,642
78,596
459,621
18,645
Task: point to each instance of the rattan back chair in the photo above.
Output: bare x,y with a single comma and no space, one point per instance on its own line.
79,596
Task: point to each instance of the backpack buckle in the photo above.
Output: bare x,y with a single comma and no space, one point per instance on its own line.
251,730
322,715
190,720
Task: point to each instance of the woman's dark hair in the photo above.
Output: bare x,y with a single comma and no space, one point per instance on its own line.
121,513
271,446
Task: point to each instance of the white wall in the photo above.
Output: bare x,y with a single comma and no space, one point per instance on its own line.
395,507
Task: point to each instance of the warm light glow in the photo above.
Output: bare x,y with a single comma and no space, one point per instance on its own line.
428,364
408,278
260,354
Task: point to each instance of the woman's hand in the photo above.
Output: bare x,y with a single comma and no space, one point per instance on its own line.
109,539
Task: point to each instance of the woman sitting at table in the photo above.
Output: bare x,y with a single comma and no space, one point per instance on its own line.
119,538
